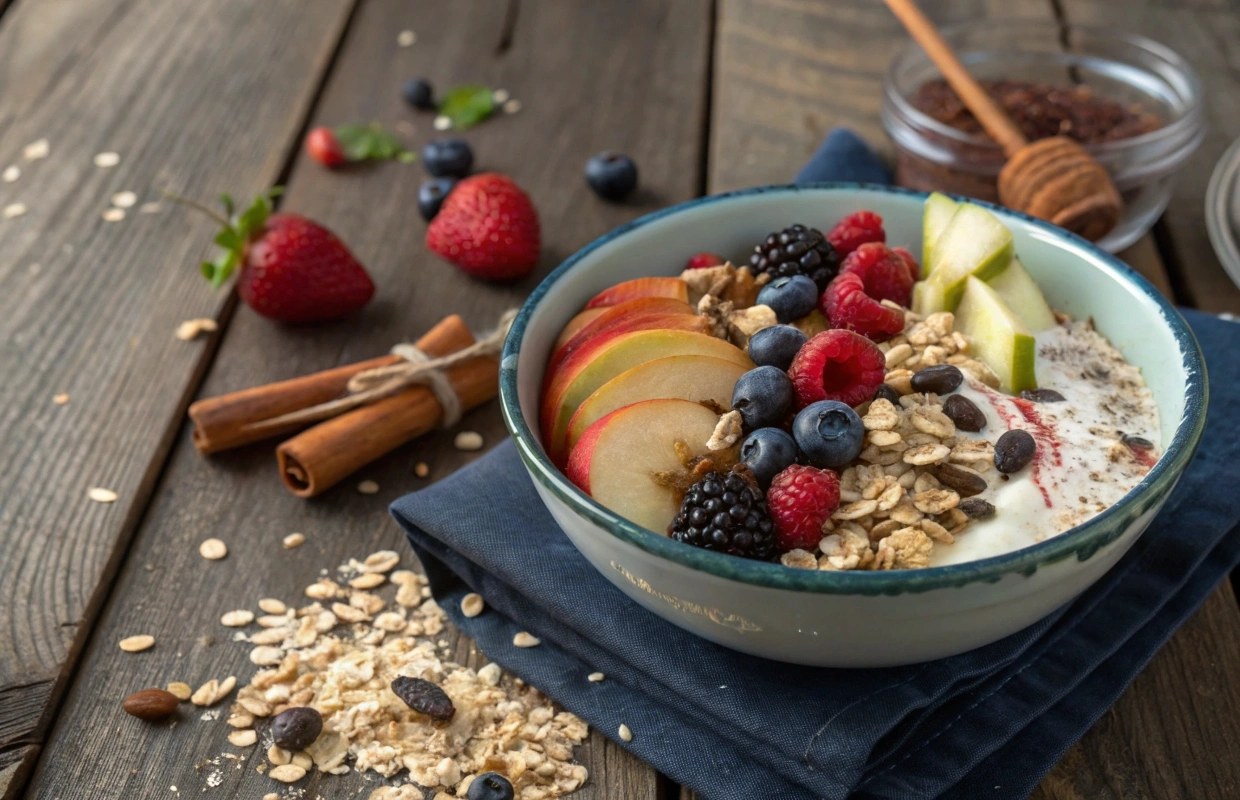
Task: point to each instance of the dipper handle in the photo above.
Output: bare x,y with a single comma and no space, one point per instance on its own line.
993,119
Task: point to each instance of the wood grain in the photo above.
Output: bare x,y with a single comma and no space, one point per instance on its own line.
638,50
1206,34
89,307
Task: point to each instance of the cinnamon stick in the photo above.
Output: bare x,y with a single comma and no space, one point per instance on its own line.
320,457
220,423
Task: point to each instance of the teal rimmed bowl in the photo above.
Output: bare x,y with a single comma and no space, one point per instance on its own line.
848,619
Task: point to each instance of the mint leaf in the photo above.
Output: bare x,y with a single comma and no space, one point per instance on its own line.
371,143
468,105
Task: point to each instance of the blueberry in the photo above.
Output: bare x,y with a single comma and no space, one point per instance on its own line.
790,298
448,157
490,786
432,194
419,94
829,433
612,176
763,396
768,452
776,346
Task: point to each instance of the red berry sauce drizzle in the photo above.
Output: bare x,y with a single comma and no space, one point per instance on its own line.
1043,434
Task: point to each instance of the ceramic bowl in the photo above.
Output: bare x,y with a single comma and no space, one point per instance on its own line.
852,619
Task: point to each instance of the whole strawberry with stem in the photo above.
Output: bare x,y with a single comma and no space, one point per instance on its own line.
488,227
292,269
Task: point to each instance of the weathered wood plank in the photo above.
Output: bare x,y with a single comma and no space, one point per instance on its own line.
1206,34
786,72
638,51
88,307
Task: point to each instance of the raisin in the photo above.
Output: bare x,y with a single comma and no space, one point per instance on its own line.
424,697
1014,451
964,412
940,379
1042,396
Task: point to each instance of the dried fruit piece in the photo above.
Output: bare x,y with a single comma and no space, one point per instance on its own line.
424,697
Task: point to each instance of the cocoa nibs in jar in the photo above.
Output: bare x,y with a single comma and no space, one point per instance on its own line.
1041,110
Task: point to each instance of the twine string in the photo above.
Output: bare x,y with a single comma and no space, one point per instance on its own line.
414,368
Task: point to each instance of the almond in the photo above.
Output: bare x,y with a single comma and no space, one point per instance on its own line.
150,704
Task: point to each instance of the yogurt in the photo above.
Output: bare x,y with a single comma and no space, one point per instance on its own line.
1083,463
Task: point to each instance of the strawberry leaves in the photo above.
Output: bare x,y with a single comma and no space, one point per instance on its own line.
372,143
236,232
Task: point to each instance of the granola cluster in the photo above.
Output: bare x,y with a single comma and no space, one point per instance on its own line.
903,493
339,655
726,295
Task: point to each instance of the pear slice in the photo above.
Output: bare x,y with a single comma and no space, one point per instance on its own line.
937,212
929,297
997,336
1020,291
974,242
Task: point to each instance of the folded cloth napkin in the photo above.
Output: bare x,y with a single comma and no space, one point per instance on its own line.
988,723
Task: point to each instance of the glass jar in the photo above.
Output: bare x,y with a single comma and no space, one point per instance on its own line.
1124,67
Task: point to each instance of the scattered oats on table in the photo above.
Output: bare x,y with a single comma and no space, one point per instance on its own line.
213,691
525,639
108,159
244,737
191,329
512,106
472,604
625,733
150,208
287,773
468,440
294,540
595,677
272,606
124,199
368,487
113,215
422,469
101,495
442,123
61,398
12,173
406,38
14,210
136,644
212,549
238,618
36,150
180,690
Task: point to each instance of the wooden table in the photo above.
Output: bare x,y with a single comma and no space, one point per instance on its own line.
199,98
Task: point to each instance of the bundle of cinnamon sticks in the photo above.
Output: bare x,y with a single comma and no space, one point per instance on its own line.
321,456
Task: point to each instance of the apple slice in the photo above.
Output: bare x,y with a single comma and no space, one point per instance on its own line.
929,297
641,287
974,242
617,458
1020,291
935,215
997,336
575,324
581,376
616,319
696,378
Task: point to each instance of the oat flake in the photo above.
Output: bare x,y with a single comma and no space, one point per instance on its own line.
422,469
99,494
150,208
36,150
512,106
136,644
406,38
294,540
14,210
61,398
243,738
124,199
272,606
472,604
179,690
235,619
442,123
468,440
595,677
524,639
287,773
213,549
625,733
12,173
113,215
368,487
108,159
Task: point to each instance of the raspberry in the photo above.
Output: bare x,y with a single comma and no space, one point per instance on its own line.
837,365
883,272
704,260
913,268
800,500
847,305
855,230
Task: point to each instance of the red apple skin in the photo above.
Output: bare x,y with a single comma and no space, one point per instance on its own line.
575,324
641,287
578,468
615,319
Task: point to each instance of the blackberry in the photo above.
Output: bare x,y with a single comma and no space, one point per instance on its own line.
725,514
796,250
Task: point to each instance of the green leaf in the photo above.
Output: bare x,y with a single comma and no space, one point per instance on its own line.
229,206
370,143
253,218
406,157
468,105
208,270
222,268
229,239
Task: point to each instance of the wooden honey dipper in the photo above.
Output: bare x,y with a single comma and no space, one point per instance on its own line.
1054,178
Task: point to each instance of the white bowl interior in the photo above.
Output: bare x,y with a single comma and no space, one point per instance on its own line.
1075,279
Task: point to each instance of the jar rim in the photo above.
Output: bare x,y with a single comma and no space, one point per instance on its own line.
1187,125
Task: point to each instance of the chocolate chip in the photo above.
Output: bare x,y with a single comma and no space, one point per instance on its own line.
940,379
976,508
296,728
964,412
887,393
964,482
1014,451
1042,396
424,697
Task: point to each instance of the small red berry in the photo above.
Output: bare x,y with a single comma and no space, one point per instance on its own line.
847,305
323,146
855,230
883,272
914,268
704,260
801,499
837,365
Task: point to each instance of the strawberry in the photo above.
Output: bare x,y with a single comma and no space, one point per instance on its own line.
347,144
291,268
488,227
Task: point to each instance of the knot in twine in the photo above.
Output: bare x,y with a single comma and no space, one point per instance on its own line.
415,368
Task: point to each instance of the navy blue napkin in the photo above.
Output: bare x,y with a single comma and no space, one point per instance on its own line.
988,723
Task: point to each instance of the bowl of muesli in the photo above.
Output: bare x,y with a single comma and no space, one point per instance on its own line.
850,425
